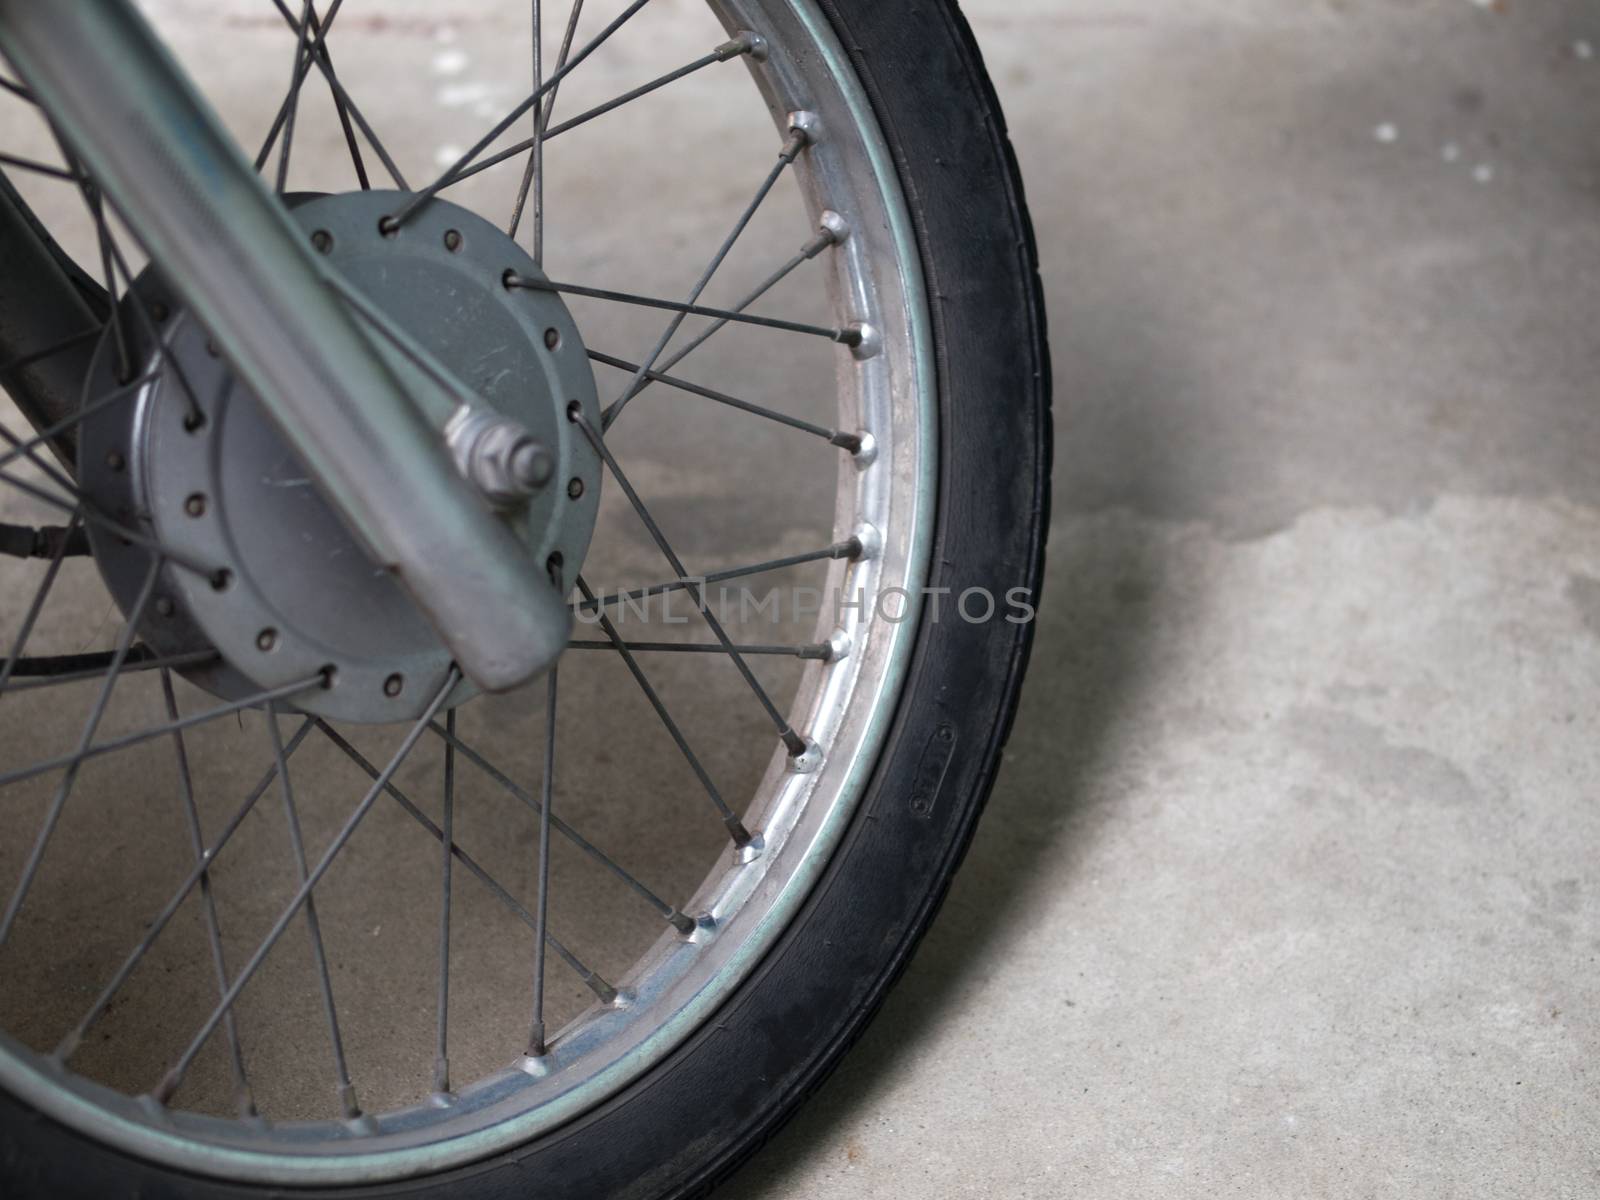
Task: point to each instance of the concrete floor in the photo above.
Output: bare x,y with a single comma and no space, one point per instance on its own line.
1287,887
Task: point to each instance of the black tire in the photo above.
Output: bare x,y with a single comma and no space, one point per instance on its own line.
690,1122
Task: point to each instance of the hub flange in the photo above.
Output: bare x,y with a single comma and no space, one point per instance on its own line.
192,460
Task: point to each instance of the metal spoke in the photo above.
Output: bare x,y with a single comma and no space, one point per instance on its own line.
45,467
831,233
114,262
447,843
792,146
342,98
319,48
35,607
453,173
591,979
208,905
33,356
673,916
534,174
39,168
174,1077
844,337
94,516
41,673
812,650
393,333
793,742
730,820
69,1044
845,441
536,1044
164,361
341,1069
721,54
84,753
92,198
849,548
745,43
74,762
293,99
22,448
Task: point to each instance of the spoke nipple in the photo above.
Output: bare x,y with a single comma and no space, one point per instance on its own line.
534,1064
839,645
347,1099
747,42
869,541
737,831
805,126
361,1124
751,850
863,339
866,451
834,227
848,442
683,923
808,760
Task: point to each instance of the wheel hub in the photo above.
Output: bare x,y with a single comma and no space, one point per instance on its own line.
193,461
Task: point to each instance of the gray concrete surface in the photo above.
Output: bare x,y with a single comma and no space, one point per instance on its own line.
1288,886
